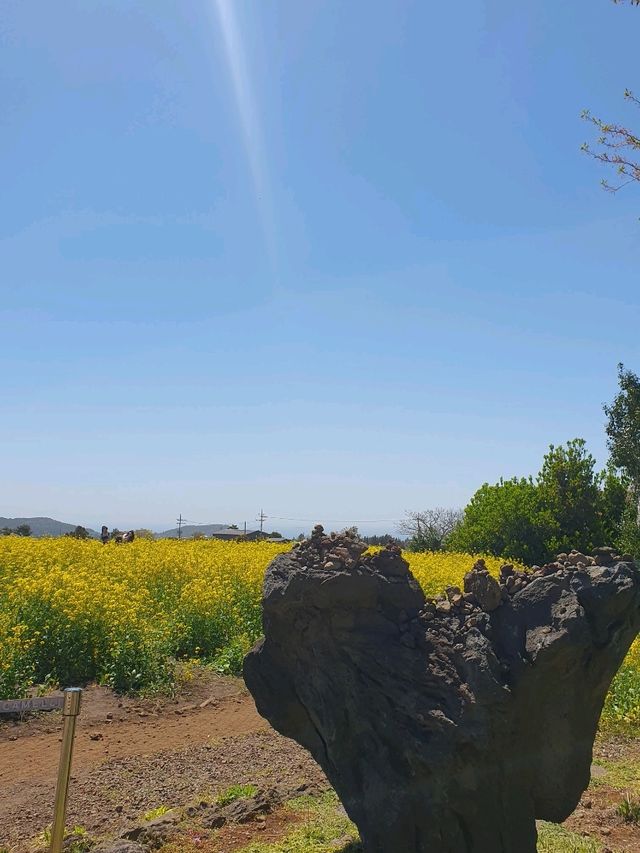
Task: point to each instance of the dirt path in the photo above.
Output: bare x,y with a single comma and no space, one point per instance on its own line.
132,756
35,756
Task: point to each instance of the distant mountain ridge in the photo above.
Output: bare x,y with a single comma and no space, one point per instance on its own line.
189,529
43,526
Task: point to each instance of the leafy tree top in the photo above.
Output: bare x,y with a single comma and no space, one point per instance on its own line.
79,532
569,489
623,426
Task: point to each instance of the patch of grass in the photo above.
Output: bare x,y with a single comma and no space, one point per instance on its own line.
629,810
80,841
76,840
235,792
623,774
45,835
556,839
326,829
154,813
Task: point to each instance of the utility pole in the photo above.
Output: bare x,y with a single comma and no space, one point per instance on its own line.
245,530
261,519
179,522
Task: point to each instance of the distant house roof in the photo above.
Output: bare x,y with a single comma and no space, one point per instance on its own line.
233,533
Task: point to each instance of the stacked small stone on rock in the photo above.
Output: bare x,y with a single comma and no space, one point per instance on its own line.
457,610
577,560
449,723
336,551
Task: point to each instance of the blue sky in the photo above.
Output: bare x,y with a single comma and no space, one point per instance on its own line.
337,260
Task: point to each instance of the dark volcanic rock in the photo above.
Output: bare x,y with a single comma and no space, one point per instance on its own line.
246,808
478,582
153,832
441,726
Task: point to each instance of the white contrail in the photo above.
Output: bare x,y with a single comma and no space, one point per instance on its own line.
249,120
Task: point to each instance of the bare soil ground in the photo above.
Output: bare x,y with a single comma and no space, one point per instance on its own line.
132,756
615,774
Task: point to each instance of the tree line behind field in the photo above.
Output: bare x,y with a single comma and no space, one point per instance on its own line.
569,504
20,530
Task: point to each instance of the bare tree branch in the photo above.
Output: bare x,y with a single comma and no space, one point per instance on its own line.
431,526
613,139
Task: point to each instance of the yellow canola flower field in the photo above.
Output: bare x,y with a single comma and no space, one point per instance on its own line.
74,611
77,611
436,571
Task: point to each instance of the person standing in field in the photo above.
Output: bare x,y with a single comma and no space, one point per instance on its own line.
104,535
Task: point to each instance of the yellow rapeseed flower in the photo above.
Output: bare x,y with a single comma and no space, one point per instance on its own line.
73,611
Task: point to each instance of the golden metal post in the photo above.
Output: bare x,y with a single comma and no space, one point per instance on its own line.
70,711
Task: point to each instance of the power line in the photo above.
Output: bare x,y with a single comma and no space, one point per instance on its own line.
262,517
339,520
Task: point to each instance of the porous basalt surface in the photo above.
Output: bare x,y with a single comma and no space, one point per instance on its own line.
447,724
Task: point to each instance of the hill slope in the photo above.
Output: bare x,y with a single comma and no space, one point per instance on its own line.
42,526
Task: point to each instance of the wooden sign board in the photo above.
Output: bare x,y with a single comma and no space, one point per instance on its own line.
38,703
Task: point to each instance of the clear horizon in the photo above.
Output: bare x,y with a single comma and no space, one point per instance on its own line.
335,260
